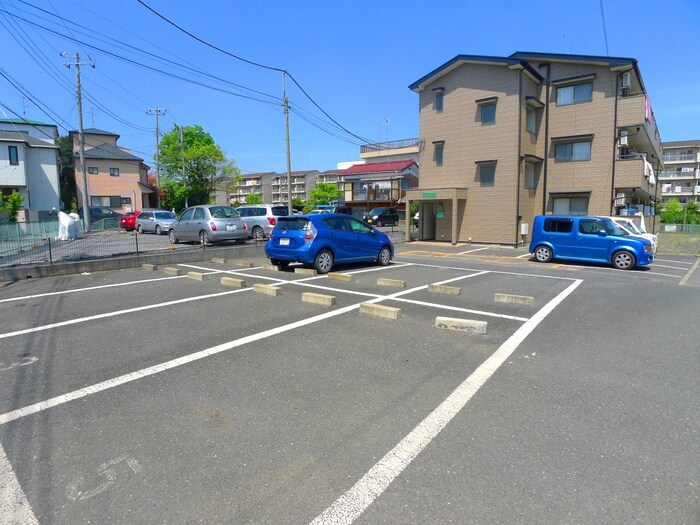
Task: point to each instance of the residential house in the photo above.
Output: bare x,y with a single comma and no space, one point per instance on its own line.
29,165
378,184
115,178
508,138
680,178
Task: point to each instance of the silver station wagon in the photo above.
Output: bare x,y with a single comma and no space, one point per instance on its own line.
209,224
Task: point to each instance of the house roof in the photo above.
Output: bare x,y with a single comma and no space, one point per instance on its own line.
18,136
108,152
394,166
26,121
95,131
681,144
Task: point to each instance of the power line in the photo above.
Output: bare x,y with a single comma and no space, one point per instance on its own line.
605,31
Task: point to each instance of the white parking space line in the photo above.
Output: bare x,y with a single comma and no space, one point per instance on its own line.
347,508
474,250
669,267
118,312
90,288
675,262
14,506
457,309
524,255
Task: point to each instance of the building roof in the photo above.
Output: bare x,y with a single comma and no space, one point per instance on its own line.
95,131
108,152
523,59
681,144
26,121
258,175
19,136
394,166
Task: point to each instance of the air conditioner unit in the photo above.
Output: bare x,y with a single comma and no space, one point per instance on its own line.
623,138
626,80
524,228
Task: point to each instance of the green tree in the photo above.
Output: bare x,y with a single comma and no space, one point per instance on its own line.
324,193
193,165
66,159
672,212
12,204
253,198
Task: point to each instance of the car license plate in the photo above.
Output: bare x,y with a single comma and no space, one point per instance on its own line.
230,227
284,242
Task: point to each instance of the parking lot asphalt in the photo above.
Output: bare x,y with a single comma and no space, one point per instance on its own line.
134,396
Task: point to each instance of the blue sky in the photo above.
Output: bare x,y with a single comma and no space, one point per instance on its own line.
355,59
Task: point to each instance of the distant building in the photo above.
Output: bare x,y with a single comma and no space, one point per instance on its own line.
508,138
302,184
252,183
378,184
680,178
29,165
115,178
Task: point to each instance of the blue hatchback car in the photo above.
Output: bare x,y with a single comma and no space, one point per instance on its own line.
325,239
589,239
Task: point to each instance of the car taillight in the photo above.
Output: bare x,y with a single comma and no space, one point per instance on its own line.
272,221
245,226
212,225
310,234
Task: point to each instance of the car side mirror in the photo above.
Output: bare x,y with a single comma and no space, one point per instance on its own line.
602,233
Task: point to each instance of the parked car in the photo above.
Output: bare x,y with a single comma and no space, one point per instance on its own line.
590,239
100,212
128,220
326,239
382,216
261,218
156,221
208,224
627,225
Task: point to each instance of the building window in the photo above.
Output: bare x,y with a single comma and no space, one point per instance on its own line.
14,156
572,151
487,175
439,97
126,200
438,153
530,176
574,94
92,170
570,206
108,201
488,114
114,172
531,119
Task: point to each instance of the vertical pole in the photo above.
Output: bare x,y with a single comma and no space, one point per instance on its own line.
289,156
81,140
157,112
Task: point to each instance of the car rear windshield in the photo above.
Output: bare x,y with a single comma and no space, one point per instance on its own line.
377,211
280,211
291,223
223,212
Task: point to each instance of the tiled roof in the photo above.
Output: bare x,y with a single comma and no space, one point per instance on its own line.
108,152
18,136
394,166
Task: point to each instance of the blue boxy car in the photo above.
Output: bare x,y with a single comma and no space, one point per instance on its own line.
589,239
324,239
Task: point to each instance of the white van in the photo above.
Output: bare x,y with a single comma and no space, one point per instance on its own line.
629,226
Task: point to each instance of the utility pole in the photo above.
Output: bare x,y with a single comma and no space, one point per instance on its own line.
81,136
157,112
289,155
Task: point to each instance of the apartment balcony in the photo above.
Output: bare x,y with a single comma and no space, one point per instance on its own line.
672,174
668,190
632,113
629,173
681,157
394,147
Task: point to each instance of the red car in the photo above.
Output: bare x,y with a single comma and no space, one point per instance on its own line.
128,220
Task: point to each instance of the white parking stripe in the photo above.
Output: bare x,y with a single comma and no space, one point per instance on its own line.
355,501
670,267
675,262
90,288
14,506
524,255
457,309
474,250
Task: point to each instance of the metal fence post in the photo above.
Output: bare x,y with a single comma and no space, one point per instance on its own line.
50,254
136,237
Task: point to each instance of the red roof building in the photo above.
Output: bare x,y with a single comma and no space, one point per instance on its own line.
381,184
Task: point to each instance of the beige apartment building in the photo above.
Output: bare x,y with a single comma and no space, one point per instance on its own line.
507,138
680,178
115,178
252,183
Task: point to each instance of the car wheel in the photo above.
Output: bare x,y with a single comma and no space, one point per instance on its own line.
543,254
324,261
384,257
173,238
158,230
139,229
204,237
258,233
623,260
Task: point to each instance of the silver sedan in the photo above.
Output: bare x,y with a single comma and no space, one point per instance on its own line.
209,224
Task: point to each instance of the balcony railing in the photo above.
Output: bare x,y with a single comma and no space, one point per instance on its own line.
680,157
679,174
394,144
